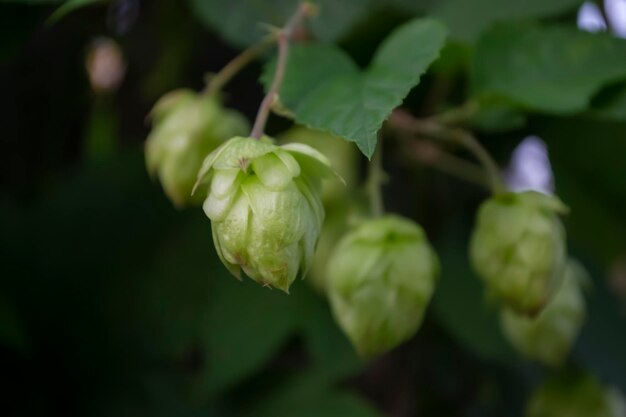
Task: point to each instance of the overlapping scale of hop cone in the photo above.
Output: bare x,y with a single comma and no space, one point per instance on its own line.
549,337
264,206
380,281
518,248
187,127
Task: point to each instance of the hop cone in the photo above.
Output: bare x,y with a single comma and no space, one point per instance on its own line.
549,336
380,281
264,206
187,127
518,248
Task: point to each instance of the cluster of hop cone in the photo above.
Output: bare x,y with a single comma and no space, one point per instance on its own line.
273,219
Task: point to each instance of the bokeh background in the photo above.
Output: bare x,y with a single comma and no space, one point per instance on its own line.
113,303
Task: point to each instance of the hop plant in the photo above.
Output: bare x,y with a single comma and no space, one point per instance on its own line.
575,395
380,281
264,206
187,127
518,248
549,337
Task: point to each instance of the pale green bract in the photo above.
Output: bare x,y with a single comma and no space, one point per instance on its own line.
518,248
187,127
548,338
264,206
380,281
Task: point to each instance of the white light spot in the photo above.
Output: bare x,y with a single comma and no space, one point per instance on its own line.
590,18
616,13
530,168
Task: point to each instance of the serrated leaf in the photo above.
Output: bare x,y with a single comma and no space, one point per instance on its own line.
239,21
325,90
549,69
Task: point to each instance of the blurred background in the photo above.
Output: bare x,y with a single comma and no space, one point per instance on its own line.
113,303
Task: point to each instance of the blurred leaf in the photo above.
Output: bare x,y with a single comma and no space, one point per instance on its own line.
610,104
461,307
589,172
330,350
468,18
550,69
354,104
68,7
240,21
603,341
308,395
497,116
246,327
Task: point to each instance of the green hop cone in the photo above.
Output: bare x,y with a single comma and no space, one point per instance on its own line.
518,248
380,280
575,395
549,336
187,127
264,207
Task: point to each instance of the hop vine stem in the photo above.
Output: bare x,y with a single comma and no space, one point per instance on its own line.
219,80
283,38
376,178
404,121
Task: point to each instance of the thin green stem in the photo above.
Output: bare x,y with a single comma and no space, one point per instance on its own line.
283,37
376,178
219,80
493,172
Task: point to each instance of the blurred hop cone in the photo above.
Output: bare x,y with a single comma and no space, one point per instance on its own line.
548,337
187,127
518,248
381,278
343,156
575,395
264,206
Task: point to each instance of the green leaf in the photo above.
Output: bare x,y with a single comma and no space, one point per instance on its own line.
461,306
468,18
549,69
603,341
331,352
247,325
610,104
325,90
240,21
307,394
68,7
